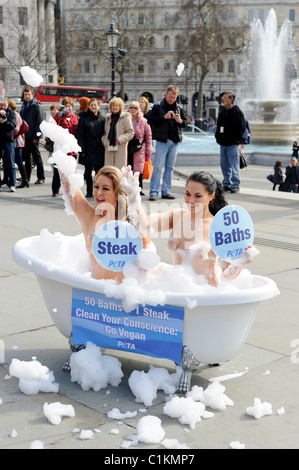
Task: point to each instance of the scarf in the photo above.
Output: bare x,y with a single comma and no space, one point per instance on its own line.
112,132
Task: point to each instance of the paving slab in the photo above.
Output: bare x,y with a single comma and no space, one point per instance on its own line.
268,360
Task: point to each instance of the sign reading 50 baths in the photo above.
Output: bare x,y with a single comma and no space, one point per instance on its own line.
231,232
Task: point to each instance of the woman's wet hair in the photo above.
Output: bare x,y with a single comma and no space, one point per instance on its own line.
212,185
116,176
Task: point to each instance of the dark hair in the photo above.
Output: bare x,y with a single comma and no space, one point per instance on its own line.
28,88
212,186
278,163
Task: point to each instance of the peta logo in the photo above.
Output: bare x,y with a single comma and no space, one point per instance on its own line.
2,349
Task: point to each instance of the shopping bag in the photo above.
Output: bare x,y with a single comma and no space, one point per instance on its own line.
270,178
148,170
23,129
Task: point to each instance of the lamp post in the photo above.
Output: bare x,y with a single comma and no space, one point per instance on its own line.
112,38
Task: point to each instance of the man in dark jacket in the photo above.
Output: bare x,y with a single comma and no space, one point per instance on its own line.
292,177
8,124
167,120
231,126
32,113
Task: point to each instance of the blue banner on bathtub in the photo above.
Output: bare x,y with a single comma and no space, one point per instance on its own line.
153,331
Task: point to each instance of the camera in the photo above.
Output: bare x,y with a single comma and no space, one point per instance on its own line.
61,108
2,117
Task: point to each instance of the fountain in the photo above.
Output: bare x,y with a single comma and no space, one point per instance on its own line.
269,54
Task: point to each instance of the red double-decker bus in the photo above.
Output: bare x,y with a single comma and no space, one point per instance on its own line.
55,93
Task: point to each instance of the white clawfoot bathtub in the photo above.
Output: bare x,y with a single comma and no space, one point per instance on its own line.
214,330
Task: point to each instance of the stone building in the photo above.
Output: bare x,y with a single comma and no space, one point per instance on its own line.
158,24
27,37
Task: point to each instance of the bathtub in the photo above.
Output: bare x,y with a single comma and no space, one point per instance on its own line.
213,331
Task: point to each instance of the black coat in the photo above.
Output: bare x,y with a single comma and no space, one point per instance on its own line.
89,133
163,129
33,115
231,126
292,177
7,128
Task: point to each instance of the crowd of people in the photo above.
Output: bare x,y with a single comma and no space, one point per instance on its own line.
117,139
123,138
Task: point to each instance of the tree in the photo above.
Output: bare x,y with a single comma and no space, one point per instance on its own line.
210,32
130,18
31,49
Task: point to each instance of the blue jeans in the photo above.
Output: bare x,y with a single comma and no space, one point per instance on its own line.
165,155
230,165
9,161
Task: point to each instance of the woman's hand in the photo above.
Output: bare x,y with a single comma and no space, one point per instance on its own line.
130,183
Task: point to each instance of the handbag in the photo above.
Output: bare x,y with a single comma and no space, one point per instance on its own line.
147,170
23,129
270,178
49,145
134,145
243,162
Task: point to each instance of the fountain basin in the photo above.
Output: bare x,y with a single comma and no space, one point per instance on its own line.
274,133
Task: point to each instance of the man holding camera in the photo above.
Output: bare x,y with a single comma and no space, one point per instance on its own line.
167,120
8,124
32,113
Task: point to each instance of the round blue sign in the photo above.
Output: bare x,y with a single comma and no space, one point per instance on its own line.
231,232
115,244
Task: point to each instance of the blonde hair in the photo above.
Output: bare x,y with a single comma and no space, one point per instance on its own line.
146,102
118,101
116,176
135,103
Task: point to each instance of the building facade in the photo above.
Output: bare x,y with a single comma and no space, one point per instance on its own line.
160,26
27,37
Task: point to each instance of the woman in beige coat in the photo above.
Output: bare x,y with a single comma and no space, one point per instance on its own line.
118,131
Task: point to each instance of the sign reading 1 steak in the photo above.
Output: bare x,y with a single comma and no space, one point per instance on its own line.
115,244
231,232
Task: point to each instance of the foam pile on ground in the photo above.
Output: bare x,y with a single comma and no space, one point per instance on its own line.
36,445
92,370
33,377
186,410
213,397
144,385
116,414
149,431
237,445
55,411
259,409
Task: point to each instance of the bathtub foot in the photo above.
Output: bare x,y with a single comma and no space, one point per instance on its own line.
74,348
189,365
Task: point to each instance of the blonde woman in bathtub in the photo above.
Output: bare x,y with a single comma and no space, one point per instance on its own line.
110,201
190,226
